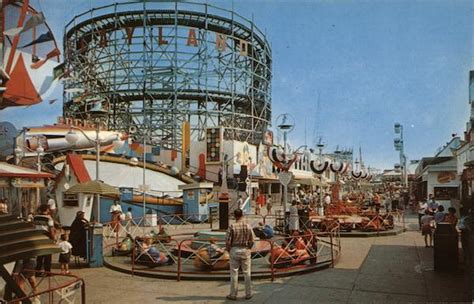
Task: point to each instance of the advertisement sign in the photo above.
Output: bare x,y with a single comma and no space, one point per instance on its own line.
268,138
213,145
446,177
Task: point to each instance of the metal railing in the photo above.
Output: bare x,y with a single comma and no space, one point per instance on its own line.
53,288
182,254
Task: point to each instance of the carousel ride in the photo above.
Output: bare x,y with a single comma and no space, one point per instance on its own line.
353,212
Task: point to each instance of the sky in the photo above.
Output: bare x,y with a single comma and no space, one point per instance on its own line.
346,70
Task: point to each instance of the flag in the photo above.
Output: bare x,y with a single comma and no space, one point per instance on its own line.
42,38
59,71
52,101
33,21
50,55
13,31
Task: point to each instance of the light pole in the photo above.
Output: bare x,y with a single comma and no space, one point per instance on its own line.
320,147
39,152
399,146
72,138
285,126
18,155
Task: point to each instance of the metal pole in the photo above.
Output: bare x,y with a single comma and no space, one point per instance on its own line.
285,187
38,203
144,176
97,161
402,158
321,203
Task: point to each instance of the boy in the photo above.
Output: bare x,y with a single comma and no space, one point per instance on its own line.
65,255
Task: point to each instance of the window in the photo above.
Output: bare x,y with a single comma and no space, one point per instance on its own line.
70,200
446,193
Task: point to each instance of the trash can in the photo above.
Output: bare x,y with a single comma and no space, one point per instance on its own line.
151,219
95,251
445,248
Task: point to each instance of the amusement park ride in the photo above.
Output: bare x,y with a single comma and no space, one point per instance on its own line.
29,54
145,70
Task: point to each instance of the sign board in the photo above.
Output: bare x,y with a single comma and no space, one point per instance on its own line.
268,138
446,177
70,290
214,138
285,178
27,182
144,188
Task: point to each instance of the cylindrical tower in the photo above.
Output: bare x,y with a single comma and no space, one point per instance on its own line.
147,67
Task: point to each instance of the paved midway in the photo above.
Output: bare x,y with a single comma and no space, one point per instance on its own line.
390,269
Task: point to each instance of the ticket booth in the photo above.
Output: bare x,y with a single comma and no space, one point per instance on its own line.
196,199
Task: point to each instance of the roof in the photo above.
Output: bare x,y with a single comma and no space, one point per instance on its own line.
94,187
20,240
78,167
9,170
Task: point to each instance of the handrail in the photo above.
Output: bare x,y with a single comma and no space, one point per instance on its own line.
318,248
50,290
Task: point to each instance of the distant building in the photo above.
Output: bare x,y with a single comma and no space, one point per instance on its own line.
437,175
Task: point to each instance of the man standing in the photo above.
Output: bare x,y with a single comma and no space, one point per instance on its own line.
52,207
432,205
239,241
327,200
115,213
240,202
44,222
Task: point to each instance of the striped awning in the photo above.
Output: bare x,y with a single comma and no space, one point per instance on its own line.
21,240
94,187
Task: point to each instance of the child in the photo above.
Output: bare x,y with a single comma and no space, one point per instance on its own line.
65,255
427,228
213,250
269,205
128,216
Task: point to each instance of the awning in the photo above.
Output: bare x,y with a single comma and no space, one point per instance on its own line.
21,240
308,182
94,187
9,170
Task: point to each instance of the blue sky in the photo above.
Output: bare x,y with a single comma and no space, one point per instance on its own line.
369,63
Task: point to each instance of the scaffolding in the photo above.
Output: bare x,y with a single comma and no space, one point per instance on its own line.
144,68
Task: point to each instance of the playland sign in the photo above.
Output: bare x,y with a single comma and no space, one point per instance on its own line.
191,39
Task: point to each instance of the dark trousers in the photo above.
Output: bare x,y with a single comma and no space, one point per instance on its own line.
419,219
44,261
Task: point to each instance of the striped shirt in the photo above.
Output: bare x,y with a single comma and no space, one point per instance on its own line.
44,222
240,234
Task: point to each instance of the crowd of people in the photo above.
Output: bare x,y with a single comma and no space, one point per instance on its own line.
431,214
72,242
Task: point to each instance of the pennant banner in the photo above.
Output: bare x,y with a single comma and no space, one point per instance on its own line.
319,168
50,55
35,20
13,31
42,38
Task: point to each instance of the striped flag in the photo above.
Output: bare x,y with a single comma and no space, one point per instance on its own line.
50,55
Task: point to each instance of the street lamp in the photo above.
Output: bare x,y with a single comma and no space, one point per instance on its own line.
72,138
285,125
39,152
320,147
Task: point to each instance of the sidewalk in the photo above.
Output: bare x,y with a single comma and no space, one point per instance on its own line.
371,270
